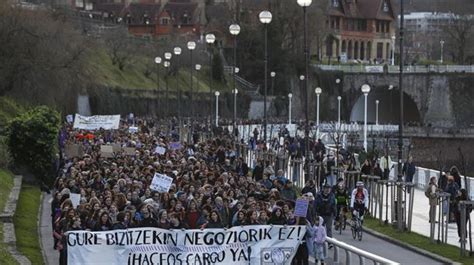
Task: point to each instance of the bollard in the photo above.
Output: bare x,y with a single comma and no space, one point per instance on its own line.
410,205
463,227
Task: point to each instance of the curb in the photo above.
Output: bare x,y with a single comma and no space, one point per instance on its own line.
38,225
9,237
410,247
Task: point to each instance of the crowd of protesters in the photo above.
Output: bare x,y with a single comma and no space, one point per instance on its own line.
213,187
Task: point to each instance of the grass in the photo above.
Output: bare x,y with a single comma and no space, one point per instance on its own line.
133,77
26,224
6,181
419,241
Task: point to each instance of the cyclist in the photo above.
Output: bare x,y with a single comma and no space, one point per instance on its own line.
342,198
359,200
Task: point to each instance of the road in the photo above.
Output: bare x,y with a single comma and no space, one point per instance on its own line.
381,248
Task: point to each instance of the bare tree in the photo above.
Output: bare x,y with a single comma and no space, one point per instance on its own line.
41,57
119,48
459,36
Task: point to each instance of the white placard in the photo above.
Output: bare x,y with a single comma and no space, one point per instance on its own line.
160,150
70,118
161,183
132,129
75,199
107,122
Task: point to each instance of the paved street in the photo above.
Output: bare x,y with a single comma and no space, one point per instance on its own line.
382,248
51,255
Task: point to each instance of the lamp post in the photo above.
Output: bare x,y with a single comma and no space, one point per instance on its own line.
400,125
304,4
177,51
191,46
442,46
318,92
273,74
217,107
234,30
167,64
235,91
210,39
377,112
365,89
338,81
265,18
339,111
289,108
158,62
393,49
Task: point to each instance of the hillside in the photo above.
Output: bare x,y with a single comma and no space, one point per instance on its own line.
133,76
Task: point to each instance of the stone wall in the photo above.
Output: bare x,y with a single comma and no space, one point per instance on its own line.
436,153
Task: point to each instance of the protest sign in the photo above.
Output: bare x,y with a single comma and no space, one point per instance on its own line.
107,122
132,129
106,151
130,151
175,145
259,245
301,207
70,118
161,183
75,199
160,150
73,150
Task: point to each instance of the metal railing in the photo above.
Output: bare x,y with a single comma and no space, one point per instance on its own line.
362,68
349,250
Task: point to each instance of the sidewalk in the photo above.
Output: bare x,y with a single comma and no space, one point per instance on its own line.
420,219
50,255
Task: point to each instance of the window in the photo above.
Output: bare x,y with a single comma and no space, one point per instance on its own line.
165,21
335,3
385,6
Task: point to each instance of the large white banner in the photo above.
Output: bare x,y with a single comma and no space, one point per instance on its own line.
261,244
107,122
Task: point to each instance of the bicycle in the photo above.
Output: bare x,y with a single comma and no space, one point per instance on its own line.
342,219
356,225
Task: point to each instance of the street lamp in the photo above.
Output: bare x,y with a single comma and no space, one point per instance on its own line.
442,46
318,92
273,74
393,49
191,46
217,107
177,51
377,112
158,62
289,108
167,64
365,89
338,81
339,111
235,92
265,18
210,39
390,88
168,56
234,30
304,4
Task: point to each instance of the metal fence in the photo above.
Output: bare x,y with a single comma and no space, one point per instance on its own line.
362,68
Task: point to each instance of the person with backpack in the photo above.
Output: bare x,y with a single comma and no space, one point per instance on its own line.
430,193
325,206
